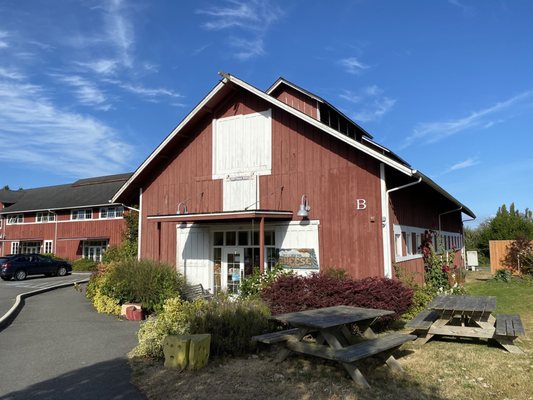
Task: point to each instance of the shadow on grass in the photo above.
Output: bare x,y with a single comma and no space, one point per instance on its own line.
105,380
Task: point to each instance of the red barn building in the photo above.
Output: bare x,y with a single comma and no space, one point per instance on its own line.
72,221
252,178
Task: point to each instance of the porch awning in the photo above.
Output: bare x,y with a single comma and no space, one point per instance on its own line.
224,216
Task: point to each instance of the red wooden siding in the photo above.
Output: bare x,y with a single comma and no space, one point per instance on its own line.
419,206
297,99
69,233
306,161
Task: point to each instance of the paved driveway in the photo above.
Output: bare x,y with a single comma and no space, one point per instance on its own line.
59,348
10,289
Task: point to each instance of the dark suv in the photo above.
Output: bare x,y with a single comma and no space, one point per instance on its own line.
19,266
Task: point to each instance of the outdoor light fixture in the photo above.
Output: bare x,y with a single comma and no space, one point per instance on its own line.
304,207
184,208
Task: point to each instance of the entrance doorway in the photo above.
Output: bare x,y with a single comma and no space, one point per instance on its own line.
232,269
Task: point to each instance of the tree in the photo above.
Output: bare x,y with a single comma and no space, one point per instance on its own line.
506,225
520,255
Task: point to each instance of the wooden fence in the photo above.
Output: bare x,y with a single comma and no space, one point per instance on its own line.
498,252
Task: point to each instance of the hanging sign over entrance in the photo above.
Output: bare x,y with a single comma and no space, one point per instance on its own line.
298,258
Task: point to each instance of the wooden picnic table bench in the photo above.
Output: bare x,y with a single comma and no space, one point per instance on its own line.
467,316
193,292
332,339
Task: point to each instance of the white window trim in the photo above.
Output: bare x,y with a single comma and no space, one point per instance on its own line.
115,208
15,245
51,244
76,211
45,217
409,230
9,222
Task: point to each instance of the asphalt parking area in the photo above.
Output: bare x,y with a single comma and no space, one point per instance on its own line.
9,290
58,347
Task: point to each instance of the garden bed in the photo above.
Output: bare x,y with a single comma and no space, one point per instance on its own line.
439,370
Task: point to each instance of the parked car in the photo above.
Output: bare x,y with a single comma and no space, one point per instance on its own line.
19,266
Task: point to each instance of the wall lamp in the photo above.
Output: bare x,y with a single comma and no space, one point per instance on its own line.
184,208
304,207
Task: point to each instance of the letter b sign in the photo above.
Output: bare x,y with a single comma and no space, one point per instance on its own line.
360,204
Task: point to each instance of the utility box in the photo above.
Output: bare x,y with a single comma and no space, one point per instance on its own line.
471,260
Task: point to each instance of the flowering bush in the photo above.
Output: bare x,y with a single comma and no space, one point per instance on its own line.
253,285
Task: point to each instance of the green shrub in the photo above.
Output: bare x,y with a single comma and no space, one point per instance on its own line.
84,264
231,323
131,281
106,304
174,319
503,275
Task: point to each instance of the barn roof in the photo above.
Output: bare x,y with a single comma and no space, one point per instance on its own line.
223,88
282,81
83,193
8,196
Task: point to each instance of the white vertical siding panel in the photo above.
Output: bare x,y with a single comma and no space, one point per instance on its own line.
193,254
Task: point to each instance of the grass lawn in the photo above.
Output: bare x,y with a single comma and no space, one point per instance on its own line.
441,369
473,369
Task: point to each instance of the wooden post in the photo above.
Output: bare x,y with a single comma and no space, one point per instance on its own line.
262,245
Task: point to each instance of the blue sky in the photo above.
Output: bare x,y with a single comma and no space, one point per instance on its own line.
92,87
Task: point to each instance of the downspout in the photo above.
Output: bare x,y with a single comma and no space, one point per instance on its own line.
387,257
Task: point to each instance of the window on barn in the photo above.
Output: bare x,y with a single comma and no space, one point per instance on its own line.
111,212
81,214
15,219
45,217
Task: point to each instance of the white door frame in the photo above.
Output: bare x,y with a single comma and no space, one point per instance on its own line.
224,270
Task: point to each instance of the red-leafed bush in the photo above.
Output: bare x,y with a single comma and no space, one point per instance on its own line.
291,293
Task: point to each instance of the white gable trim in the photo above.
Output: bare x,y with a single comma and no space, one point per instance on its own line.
229,78
163,144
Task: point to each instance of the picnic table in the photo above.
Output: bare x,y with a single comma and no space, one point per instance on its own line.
331,329
470,317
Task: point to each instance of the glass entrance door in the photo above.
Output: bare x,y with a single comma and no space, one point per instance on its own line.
232,269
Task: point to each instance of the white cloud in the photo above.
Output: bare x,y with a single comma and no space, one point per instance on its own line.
246,49
352,65
370,101
36,132
120,30
103,66
248,21
469,162
149,94
11,74
86,91
431,132
115,35
467,10
255,15
3,42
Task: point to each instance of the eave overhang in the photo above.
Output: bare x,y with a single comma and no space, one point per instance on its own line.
223,216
